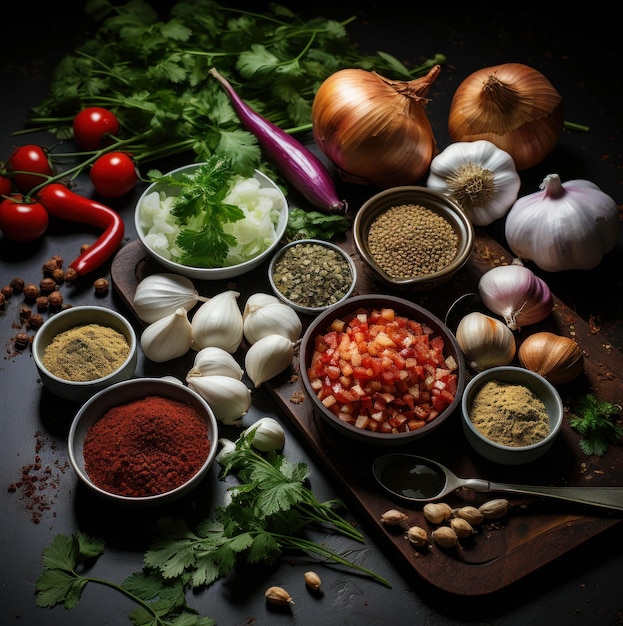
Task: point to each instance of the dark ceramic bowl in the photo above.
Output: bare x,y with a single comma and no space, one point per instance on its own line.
130,391
435,202
346,311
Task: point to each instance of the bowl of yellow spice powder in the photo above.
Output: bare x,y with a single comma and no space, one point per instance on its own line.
511,415
413,238
83,350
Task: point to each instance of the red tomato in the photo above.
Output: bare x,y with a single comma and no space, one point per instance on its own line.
22,221
114,174
5,185
382,372
92,127
30,158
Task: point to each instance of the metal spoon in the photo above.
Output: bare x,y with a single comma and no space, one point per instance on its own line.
415,479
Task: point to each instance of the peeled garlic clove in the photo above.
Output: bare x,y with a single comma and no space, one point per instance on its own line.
218,322
168,338
394,517
417,536
461,527
494,509
268,357
278,596
445,537
274,318
227,447
485,341
437,512
557,358
268,434
159,295
312,580
229,398
211,361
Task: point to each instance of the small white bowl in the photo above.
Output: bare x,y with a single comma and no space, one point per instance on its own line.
331,300
212,273
512,455
123,393
80,391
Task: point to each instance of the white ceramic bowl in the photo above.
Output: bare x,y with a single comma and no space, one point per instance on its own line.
435,202
512,455
345,311
123,393
80,391
216,273
297,306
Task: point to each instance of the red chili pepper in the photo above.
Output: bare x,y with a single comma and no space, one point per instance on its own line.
65,204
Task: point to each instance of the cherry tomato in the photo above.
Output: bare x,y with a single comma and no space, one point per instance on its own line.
5,185
92,127
114,174
21,220
29,158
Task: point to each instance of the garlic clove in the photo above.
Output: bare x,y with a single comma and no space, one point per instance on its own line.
268,357
167,338
227,447
485,341
229,398
213,360
557,358
218,322
159,295
256,301
268,434
275,318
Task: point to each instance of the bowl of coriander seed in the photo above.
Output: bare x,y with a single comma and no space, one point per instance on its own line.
413,238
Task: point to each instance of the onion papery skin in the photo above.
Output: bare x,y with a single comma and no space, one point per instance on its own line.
375,130
511,105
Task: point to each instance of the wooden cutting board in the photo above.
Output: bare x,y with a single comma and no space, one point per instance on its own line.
536,531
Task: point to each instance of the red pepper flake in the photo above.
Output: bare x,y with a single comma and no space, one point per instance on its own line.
39,483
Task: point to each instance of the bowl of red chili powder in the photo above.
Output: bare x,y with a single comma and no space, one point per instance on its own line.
381,370
145,440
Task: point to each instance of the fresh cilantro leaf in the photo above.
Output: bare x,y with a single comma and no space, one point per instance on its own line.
314,225
595,421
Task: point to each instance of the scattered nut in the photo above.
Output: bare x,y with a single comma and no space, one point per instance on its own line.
35,321
58,275
25,313
21,341
55,300
393,518
84,247
70,275
445,537
2,301
100,285
494,509
7,291
461,527
312,580
47,285
17,284
48,267
278,596
31,292
437,512
471,514
42,303
417,536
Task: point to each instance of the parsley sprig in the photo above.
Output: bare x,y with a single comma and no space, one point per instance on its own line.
150,69
270,510
595,421
267,515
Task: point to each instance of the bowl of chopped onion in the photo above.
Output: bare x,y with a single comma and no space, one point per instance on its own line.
381,370
413,238
247,217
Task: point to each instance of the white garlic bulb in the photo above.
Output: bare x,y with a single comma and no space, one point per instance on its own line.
268,434
168,338
227,447
275,318
229,398
159,295
485,341
268,357
218,322
213,360
256,300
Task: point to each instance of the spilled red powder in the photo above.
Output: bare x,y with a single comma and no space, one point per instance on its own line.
146,447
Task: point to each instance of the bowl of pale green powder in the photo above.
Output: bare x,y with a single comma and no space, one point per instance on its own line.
83,350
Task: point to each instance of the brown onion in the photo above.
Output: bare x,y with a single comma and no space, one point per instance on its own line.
557,358
375,130
511,105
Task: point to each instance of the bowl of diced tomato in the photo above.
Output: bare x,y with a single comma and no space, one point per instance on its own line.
381,369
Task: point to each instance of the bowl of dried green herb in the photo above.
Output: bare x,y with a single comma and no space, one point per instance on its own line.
412,238
312,275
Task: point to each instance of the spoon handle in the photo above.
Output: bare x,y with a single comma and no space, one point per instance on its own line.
607,497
